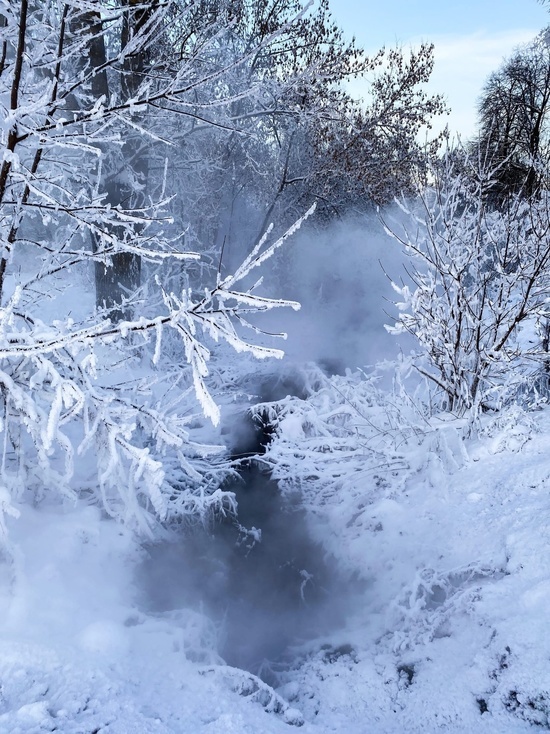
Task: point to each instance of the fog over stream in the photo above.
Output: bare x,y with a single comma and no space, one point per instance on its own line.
268,593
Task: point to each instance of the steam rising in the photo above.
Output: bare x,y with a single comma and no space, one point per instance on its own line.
340,276
270,587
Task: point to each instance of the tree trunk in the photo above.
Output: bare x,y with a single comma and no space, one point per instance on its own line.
118,277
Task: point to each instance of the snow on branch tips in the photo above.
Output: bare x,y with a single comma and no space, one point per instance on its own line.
475,291
110,306
51,380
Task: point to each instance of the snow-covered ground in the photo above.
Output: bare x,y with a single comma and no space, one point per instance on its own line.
442,625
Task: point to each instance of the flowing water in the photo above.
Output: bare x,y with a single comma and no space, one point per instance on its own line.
262,580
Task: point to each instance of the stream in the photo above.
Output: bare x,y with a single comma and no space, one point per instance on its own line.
263,582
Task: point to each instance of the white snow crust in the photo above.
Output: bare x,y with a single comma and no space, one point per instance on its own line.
447,630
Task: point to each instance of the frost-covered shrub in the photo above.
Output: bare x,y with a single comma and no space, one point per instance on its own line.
326,436
478,285
345,446
85,409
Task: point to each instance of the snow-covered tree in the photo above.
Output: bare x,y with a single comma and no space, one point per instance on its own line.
90,402
477,287
513,122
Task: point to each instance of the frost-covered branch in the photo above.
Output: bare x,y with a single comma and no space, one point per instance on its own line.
479,279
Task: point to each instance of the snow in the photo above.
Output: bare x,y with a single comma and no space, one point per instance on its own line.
446,632
77,653
399,576
438,622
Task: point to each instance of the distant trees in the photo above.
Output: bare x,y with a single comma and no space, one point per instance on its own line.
246,102
514,122
299,136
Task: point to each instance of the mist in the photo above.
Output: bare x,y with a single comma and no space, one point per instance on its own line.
267,588
341,276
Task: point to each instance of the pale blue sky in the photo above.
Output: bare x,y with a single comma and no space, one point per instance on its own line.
471,37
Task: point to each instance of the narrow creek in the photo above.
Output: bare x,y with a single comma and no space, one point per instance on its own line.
266,591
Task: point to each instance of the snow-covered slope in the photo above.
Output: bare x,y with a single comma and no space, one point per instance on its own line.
446,615
452,633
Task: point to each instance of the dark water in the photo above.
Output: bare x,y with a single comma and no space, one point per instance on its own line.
261,577
267,593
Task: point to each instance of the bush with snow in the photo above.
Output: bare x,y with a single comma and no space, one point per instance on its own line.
477,291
